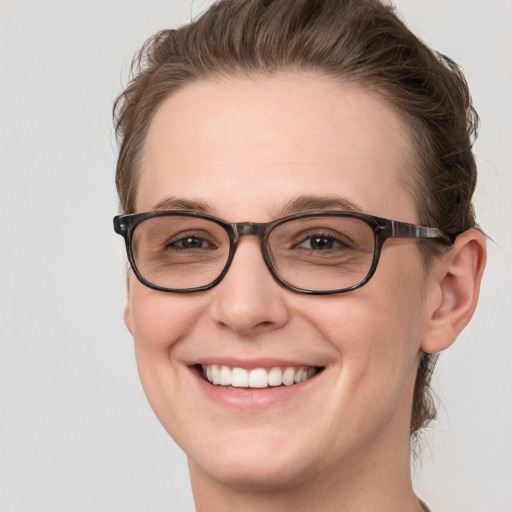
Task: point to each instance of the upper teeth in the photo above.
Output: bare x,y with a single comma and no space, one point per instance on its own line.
256,378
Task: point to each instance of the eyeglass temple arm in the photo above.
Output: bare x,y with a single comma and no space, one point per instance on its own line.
405,230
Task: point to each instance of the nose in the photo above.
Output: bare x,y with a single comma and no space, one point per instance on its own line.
248,300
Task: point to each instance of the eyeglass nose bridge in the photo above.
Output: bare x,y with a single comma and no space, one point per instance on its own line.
249,229
257,229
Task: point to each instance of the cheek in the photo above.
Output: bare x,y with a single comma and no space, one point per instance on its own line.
377,329
159,322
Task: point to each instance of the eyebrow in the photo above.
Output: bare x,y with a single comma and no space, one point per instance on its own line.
311,202
178,203
300,204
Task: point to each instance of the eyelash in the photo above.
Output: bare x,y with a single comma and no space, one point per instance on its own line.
329,236
172,243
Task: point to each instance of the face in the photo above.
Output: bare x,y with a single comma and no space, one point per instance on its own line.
245,150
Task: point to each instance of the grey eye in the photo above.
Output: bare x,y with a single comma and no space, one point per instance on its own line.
191,243
319,243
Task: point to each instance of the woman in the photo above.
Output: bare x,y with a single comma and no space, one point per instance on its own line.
285,328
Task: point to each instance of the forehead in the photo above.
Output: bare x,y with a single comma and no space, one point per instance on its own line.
245,146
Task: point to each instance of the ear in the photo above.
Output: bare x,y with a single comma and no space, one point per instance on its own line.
127,311
128,316
457,276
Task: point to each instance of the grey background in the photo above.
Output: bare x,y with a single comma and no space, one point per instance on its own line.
76,431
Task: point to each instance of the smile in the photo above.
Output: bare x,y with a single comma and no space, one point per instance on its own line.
221,375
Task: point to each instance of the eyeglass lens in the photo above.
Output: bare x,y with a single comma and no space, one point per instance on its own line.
313,253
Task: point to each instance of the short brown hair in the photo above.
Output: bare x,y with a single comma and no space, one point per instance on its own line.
361,41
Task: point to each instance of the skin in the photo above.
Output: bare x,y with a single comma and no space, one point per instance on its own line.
242,150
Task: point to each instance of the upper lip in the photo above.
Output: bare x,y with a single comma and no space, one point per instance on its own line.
253,363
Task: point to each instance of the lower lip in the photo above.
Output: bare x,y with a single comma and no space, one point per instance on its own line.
252,399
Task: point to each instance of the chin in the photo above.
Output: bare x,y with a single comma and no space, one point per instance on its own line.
252,472
258,462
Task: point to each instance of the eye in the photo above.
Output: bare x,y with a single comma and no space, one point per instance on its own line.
190,242
321,242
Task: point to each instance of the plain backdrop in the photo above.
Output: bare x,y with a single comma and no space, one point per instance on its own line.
76,431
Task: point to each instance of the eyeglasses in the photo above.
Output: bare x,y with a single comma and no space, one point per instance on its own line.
318,252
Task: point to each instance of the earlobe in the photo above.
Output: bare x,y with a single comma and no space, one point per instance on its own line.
128,316
127,311
458,275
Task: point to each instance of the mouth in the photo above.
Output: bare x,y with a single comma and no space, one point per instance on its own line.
258,378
